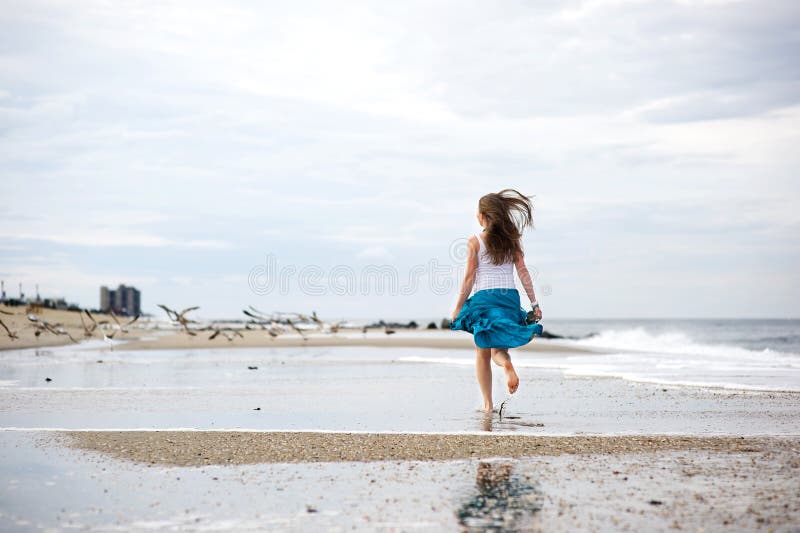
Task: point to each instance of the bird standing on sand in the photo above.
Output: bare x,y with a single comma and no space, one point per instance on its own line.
109,338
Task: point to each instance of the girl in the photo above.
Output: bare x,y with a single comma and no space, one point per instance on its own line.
493,314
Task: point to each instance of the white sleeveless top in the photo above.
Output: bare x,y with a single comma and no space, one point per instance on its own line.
491,276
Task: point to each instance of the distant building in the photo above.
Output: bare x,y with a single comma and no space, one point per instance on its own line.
123,301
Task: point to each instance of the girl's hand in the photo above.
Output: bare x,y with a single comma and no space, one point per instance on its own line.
537,313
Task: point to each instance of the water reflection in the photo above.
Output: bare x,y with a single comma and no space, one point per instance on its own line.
486,421
505,501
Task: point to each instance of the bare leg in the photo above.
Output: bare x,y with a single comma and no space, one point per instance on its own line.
484,370
501,358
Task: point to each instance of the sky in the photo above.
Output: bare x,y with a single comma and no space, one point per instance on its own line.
302,156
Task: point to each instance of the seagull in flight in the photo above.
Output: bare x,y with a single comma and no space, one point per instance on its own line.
11,334
119,327
180,318
228,333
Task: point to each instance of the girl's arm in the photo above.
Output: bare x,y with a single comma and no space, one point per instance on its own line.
469,275
525,278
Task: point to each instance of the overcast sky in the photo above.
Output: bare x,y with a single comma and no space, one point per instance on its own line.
181,147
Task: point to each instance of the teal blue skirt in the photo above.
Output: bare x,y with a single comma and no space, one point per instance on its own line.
496,319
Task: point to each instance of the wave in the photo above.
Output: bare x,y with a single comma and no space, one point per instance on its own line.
669,358
677,343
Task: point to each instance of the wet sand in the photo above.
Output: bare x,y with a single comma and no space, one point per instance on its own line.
47,486
376,338
197,448
576,452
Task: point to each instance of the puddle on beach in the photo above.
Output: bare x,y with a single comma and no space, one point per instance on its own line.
492,422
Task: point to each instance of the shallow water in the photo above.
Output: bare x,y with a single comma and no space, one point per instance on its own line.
357,389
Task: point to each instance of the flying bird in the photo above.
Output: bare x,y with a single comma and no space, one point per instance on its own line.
180,318
298,330
42,326
11,334
228,333
118,326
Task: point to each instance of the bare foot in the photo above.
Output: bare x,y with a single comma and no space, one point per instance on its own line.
511,375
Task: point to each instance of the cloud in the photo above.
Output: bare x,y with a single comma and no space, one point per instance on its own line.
375,252
153,138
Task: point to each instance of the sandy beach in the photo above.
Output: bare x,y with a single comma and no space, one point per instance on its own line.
382,432
197,448
699,484
155,337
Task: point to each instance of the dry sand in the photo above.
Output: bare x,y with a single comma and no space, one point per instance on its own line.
18,323
160,339
196,448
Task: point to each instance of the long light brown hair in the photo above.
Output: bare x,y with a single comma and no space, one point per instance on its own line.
507,214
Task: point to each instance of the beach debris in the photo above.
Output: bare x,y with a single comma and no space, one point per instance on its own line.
311,509
180,318
257,409
3,311
389,331
655,502
502,406
11,334
252,368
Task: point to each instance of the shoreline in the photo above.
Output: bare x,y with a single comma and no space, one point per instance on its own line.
257,339
201,448
148,338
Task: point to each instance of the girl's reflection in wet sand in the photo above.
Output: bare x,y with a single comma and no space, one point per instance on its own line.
505,501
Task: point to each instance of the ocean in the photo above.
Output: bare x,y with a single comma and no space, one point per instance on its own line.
684,335
752,354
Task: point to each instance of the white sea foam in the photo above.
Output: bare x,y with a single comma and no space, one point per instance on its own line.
670,358
639,340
